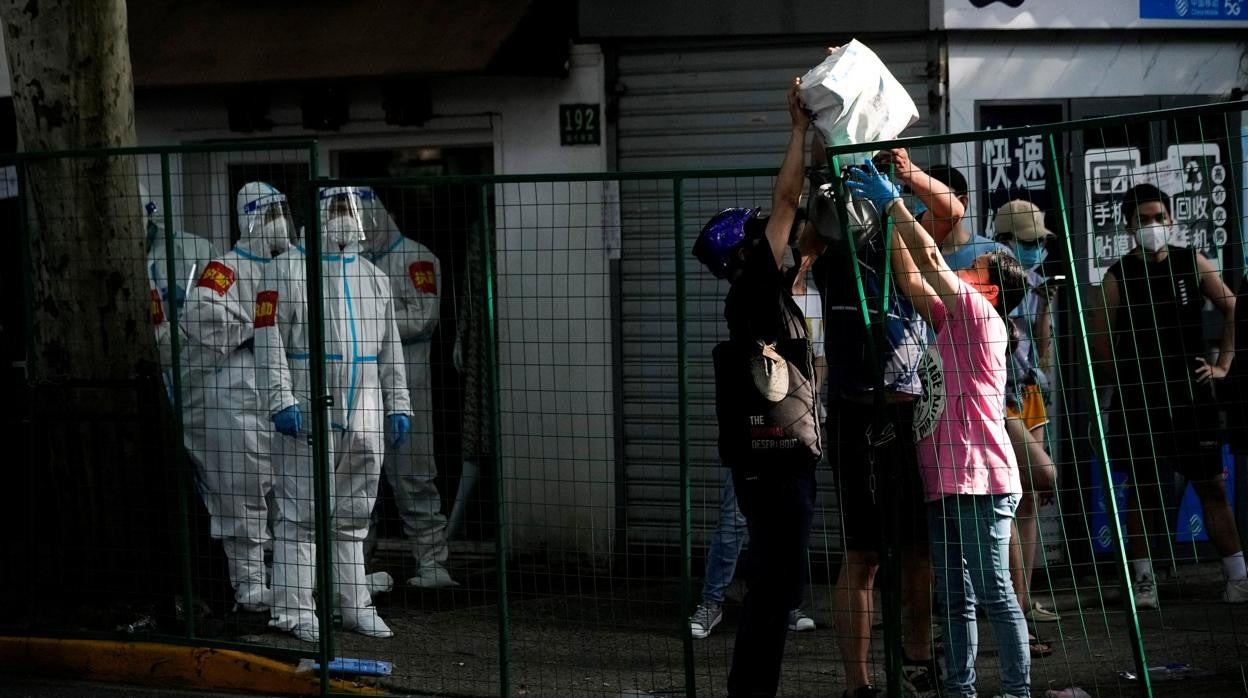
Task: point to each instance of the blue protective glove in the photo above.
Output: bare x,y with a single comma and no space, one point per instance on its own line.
289,421
872,185
400,425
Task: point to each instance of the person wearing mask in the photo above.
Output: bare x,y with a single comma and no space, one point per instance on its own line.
365,378
729,536
937,186
219,326
970,475
765,404
1148,341
1020,226
190,253
871,471
416,284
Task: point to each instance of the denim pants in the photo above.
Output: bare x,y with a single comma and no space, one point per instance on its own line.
778,505
726,542
971,566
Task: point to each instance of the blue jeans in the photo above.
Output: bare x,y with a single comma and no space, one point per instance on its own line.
726,542
971,566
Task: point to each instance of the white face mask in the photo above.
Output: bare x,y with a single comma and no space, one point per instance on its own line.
342,231
1153,236
276,235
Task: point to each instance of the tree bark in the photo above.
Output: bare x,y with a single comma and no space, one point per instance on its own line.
96,466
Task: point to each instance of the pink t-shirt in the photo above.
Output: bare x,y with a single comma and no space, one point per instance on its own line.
969,451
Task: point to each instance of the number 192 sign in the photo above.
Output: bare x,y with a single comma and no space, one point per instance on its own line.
579,124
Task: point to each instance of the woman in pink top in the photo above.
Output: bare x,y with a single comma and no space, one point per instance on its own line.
969,470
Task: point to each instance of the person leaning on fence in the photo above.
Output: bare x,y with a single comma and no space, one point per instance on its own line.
868,469
765,404
969,470
1149,343
943,197
365,377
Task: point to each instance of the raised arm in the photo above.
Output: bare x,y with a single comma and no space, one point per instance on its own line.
790,181
1223,299
911,236
944,209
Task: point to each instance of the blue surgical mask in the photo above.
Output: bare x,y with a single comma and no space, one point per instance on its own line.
1029,255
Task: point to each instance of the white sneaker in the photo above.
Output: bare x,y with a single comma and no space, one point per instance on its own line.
704,619
1146,593
432,576
367,623
1236,591
799,622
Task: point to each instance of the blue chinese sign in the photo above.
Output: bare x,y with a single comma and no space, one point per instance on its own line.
1215,10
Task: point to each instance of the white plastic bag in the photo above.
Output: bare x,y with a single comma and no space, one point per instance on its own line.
855,99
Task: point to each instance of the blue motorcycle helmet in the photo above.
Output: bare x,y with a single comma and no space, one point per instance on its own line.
720,238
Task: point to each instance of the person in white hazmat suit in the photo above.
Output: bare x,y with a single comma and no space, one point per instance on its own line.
365,377
191,254
415,279
218,322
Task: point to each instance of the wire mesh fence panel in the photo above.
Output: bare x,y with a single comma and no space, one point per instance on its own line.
1122,339
156,531
467,426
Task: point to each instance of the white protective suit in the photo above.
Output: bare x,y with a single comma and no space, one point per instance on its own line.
191,254
415,279
236,464
365,377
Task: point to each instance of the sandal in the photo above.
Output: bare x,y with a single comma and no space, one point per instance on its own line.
1040,614
1039,648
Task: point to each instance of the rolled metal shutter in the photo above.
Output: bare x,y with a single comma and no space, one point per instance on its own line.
700,106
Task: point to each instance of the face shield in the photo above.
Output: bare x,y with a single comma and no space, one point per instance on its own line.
342,217
379,227
264,218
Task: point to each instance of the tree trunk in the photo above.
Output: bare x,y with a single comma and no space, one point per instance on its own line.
97,469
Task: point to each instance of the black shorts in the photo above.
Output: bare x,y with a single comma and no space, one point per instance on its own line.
1185,438
868,502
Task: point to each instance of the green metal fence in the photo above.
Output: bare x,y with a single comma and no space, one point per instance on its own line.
560,375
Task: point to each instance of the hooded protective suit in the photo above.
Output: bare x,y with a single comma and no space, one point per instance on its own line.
365,378
236,465
190,254
415,280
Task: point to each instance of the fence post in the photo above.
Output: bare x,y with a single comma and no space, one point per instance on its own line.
500,500
1133,620
682,435
175,381
320,431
